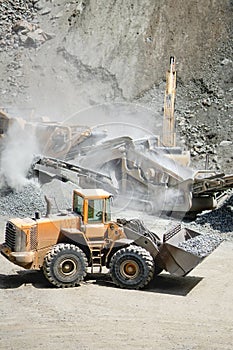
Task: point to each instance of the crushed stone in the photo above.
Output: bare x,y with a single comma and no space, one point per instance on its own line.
202,245
22,203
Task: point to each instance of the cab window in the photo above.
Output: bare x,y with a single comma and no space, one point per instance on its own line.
78,204
95,210
108,209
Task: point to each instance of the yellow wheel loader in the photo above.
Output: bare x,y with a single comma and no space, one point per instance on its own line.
65,245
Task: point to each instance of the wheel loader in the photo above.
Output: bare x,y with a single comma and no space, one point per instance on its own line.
65,245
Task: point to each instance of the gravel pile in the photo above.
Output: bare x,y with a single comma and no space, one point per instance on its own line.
60,194
11,13
30,198
202,245
22,203
19,25
216,221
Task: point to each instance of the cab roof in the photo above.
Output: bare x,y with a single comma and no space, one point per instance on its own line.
93,193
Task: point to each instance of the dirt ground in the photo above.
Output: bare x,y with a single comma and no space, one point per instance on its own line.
194,312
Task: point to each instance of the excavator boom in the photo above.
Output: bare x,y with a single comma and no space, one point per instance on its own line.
169,135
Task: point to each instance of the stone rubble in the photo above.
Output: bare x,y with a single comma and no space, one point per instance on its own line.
30,35
201,107
19,25
219,220
202,245
22,203
29,199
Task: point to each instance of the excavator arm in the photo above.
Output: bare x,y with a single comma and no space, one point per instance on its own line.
169,135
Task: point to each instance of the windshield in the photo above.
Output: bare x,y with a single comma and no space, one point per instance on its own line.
96,208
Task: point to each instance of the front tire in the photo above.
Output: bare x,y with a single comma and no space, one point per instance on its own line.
132,267
65,265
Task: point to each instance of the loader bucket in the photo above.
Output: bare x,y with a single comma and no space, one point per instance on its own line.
177,261
183,249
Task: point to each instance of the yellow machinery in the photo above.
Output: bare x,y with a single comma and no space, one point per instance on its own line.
169,135
64,245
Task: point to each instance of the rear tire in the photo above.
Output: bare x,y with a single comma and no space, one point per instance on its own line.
65,265
132,267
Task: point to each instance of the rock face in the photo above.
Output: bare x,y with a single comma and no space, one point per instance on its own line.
119,52
133,40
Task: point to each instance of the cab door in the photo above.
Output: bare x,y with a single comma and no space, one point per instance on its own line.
95,227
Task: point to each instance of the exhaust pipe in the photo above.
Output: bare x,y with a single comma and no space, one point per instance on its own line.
48,208
37,215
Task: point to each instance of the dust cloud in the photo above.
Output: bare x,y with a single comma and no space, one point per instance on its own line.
19,148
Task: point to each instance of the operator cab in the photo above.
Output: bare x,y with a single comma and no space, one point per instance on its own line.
94,205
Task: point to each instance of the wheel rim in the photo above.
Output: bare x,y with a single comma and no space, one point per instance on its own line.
129,269
67,267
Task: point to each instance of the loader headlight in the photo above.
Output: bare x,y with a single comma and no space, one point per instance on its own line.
20,241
